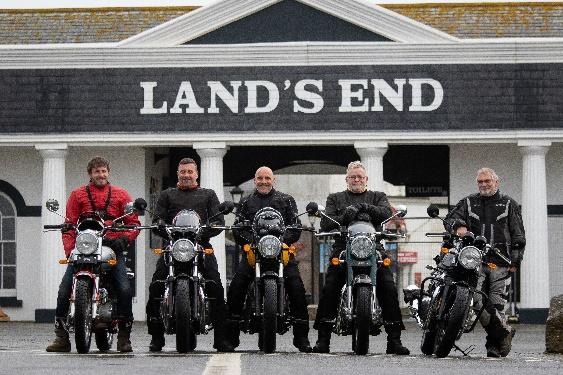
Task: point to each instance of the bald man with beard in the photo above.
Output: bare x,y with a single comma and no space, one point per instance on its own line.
265,195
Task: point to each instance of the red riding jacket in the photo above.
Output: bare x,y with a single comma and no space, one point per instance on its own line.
78,203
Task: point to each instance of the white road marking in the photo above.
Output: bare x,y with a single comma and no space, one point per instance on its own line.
227,363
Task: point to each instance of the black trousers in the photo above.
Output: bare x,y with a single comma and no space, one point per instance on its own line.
213,289
294,287
385,290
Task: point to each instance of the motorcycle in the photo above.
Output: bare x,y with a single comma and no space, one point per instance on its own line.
444,309
185,307
266,308
359,313
93,302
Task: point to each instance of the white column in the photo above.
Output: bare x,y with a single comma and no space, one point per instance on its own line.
54,182
535,266
211,177
371,154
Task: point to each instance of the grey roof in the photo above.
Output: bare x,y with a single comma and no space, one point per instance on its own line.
472,20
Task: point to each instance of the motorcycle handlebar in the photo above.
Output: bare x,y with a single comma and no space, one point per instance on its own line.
57,226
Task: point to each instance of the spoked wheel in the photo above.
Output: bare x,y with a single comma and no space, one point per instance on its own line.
270,319
183,317
104,340
362,321
448,328
83,315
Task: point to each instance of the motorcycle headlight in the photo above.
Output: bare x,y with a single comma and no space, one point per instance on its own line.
183,250
470,257
86,243
269,246
362,247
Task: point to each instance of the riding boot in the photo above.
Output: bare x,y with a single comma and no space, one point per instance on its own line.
156,330
498,333
124,335
323,341
220,341
301,336
61,343
232,331
506,343
394,344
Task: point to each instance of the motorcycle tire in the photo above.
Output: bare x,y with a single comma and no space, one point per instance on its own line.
83,314
429,333
270,316
362,321
183,317
104,340
448,329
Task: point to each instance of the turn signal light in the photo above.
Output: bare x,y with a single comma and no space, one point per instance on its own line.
63,261
492,266
386,262
246,248
335,261
208,251
112,262
444,250
157,251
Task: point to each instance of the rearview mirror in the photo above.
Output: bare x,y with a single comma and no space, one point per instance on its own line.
226,207
433,211
401,210
52,205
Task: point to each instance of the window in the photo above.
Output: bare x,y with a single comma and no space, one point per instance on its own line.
7,247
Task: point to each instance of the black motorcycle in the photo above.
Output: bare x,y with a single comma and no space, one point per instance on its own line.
93,302
443,309
266,308
185,307
359,313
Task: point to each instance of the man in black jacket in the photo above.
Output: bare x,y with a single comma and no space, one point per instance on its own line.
344,207
497,217
266,196
188,195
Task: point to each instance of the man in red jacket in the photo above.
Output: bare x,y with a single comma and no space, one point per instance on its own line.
109,201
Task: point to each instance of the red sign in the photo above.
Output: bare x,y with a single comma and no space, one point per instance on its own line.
407,257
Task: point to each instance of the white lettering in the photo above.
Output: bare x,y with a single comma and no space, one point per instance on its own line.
218,90
348,95
186,96
148,103
416,84
312,97
380,86
273,96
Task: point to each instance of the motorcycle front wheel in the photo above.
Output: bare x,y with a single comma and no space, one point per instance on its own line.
362,321
104,340
448,329
83,314
269,319
183,317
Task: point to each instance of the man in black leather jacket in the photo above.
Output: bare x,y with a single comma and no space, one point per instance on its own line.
266,196
497,217
345,207
188,195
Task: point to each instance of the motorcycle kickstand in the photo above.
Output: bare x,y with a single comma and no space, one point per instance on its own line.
467,350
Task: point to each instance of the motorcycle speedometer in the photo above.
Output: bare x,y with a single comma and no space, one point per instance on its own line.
183,250
269,246
470,257
362,247
86,243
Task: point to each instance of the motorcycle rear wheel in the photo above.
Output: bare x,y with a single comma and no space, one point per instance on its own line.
83,314
448,329
270,318
362,321
183,317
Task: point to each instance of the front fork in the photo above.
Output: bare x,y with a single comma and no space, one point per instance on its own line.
95,296
258,290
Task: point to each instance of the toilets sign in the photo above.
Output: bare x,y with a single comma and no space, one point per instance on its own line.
307,96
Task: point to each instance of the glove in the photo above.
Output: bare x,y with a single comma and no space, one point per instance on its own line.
119,245
349,214
516,254
363,216
160,230
362,207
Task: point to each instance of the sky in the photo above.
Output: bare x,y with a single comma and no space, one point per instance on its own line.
31,4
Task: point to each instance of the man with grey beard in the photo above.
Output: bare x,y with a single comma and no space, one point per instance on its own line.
497,217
